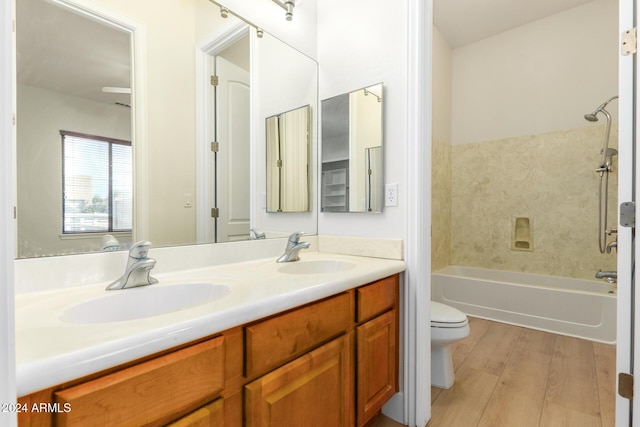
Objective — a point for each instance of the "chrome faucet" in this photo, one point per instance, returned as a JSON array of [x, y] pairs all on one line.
[[255, 234], [612, 245], [138, 268], [611, 276], [294, 245]]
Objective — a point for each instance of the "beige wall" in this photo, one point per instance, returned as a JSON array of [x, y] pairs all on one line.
[[537, 78]]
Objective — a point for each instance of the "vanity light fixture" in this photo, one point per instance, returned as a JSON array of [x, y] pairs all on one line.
[[368, 92], [224, 12], [287, 5]]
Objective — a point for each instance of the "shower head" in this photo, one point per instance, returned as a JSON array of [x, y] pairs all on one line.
[[593, 117]]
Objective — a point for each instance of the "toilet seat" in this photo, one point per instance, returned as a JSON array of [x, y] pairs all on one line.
[[444, 316]]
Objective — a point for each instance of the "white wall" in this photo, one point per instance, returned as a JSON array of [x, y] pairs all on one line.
[[361, 43], [569, 52]]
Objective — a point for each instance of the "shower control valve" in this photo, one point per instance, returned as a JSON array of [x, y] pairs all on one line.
[[611, 231]]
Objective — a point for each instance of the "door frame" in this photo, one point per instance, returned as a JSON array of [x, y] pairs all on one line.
[[626, 332]]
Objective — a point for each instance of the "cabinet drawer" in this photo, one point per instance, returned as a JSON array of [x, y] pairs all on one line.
[[271, 342], [376, 298], [149, 393]]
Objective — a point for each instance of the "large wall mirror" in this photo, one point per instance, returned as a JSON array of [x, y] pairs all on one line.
[[101, 159], [352, 152]]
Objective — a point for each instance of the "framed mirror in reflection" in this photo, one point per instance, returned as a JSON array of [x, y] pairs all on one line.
[[352, 151], [78, 72], [288, 161]]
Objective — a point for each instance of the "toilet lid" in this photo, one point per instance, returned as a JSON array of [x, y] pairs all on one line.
[[445, 315]]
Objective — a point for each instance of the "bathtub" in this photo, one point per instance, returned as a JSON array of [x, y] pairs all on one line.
[[575, 307]]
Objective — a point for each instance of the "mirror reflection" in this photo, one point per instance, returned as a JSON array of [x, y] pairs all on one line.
[[352, 153], [74, 154], [183, 189], [288, 161]]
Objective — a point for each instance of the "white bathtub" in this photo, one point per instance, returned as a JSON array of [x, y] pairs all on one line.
[[574, 307]]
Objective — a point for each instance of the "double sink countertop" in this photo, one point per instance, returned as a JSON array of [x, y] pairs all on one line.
[[58, 339]]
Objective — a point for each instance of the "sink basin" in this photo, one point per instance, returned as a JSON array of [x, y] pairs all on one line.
[[144, 301], [316, 267]]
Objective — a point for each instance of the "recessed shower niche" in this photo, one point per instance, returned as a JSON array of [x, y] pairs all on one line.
[[522, 235]]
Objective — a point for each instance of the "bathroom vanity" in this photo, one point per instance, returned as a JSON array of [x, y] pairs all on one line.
[[331, 357]]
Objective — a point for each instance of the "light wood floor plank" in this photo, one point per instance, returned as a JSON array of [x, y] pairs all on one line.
[[492, 352], [533, 340], [463, 404], [461, 350], [559, 416], [435, 392], [520, 394], [579, 377], [605, 358], [572, 378]]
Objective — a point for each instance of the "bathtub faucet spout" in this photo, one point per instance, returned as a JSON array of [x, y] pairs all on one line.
[[611, 276]]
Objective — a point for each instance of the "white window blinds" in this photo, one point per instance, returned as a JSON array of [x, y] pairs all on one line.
[[97, 184]]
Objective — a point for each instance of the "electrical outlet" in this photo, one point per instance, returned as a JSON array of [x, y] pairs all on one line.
[[391, 194]]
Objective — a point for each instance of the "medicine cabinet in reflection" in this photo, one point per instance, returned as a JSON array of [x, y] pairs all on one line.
[[352, 156], [288, 161]]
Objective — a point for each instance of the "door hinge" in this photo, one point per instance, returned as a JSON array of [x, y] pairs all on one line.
[[215, 212], [215, 146], [629, 42], [625, 385], [214, 80], [628, 214], [279, 163], [15, 212]]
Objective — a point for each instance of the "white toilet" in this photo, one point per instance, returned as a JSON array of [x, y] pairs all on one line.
[[448, 325]]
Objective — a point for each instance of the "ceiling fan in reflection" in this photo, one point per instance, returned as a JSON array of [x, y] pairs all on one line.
[[119, 90]]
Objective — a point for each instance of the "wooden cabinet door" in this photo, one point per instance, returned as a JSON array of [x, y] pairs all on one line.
[[211, 415], [314, 390], [377, 365]]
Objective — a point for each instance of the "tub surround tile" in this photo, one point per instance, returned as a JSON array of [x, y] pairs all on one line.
[[549, 178], [440, 204]]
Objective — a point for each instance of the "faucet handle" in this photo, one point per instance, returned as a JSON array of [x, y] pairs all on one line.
[[139, 250], [295, 236]]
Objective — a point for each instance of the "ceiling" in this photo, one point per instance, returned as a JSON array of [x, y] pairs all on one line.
[[68, 52], [64, 51], [465, 21]]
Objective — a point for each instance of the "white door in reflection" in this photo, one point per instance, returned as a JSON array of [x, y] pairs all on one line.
[[232, 159]]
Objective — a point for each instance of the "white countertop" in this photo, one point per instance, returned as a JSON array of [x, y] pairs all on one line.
[[50, 351]]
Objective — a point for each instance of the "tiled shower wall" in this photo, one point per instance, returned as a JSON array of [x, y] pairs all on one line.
[[549, 178]]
